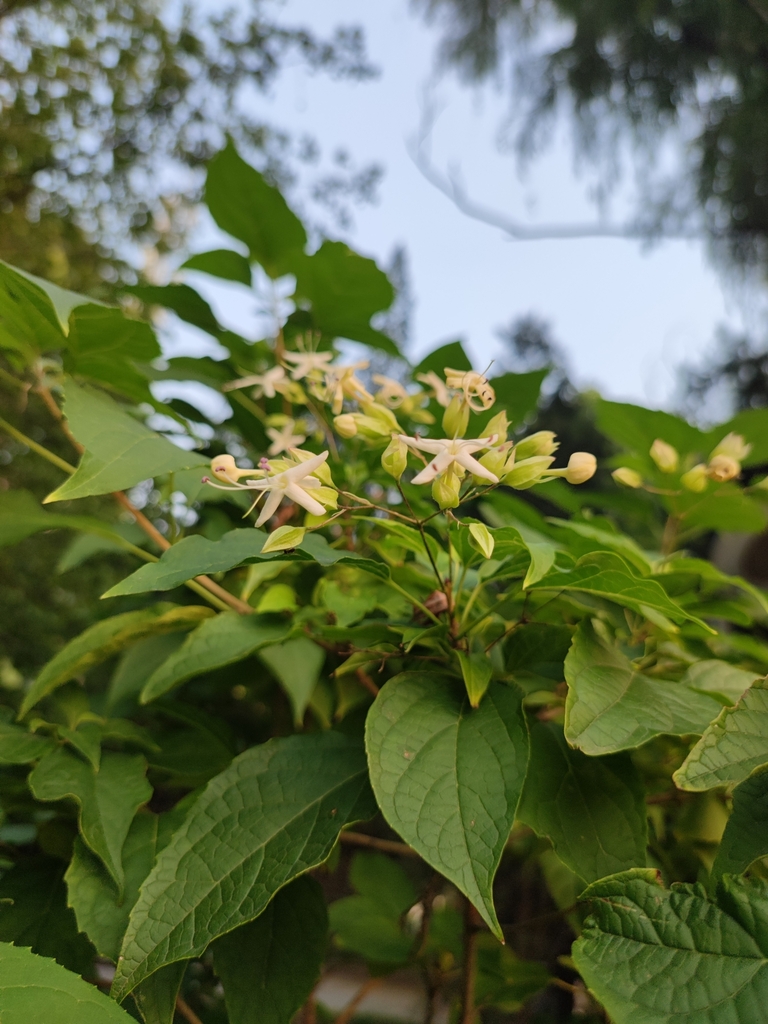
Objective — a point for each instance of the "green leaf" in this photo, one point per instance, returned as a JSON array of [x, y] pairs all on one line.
[[270, 966], [535, 654], [274, 814], [732, 746], [542, 560], [719, 678], [17, 746], [605, 574], [476, 670], [746, 834], [727, 509], [612, 706], [195, 555], [345, 290], [156, 996], [120, 451], [221, 640], [449, 778], [481, 539], [296, 664], [110, 636], [224, 263], [137, 665], [182, 300], [277, 598], [34, 313], [451, 355], [503, 980], [619, 542], [635, 428], [105, 346], [107, 799], [246, 207], [518, 393], [21, 516], [370, 924], [34, 913], [591, 808], [33, 988], [102, 913], [653, 956]]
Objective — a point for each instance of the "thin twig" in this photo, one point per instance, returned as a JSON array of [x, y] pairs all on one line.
[[186, 1011], [366, 682], [469, 970], [371, 842], [349, 1010]]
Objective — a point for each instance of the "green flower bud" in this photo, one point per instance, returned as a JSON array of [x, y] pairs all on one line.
[[385, 416], [445, 490], [528, 472], [395, 458], [495, 461], [541, 443], [628, 477], [499, 425], [481, 539], [456, 417], [665, 456], [695, 479]]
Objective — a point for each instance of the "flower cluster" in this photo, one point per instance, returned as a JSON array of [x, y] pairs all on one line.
[[456, 464], [724, 464]]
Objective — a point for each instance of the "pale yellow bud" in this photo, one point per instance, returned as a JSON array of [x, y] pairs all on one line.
[[528, 472], [665, 456], [456, 417], [734, 446], [628, 477], [481, 539], [582, 466], [445, 490], [722, 468], [345, 425], [496, 461], [541, 443], [695, 479], [395, 458], [381, 413], [224, 468]]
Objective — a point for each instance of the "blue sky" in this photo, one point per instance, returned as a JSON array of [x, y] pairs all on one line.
[[626, 317]]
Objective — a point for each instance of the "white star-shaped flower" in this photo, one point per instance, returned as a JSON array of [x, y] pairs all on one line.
[[267, 384], [284, 439], [449, 451], [307, 364], [292, 483], [341, 383]]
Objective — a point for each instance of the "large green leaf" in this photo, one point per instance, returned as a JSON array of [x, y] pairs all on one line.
[[719, 677], [272, 815], [104, 345], [101, 911], [674, 957], [344, 290], [732, 747], [34, 913], [448, 778], [222, 640], [727, 508], [270, 966], [156, 996], [110, 636], [605, 574], [245, 206], [297, 664], [119, 450], [107, 798], [635, 428], [746, 834], [518, 393], [591, 808], [33, 988], [195, 555], [612, 706]]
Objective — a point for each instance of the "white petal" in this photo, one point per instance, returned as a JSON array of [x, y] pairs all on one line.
[[295, 493], [296, 473], [437, 466], [476, 468], [270, 507]]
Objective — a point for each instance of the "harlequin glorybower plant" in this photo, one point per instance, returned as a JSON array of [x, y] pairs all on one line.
[[436, 697]]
